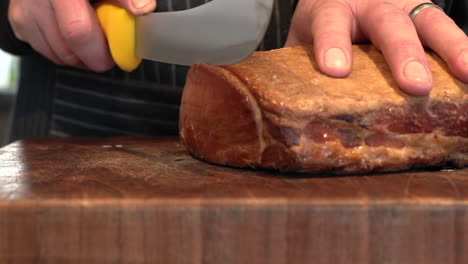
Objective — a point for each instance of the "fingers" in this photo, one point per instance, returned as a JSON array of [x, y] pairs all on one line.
[[66, 32], [25, 28], [330, 26], [392, 31], [52, 37], [442, 35], [80, 30], [299, 32], [331, 32], [137, 7], [41, 45], [18, 19]]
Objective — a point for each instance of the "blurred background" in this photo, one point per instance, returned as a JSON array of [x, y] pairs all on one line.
[[8, 81]]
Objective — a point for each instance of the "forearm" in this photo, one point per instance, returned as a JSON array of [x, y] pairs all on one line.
[[8, 41]]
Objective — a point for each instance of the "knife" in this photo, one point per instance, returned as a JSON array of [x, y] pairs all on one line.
[[220, 32]]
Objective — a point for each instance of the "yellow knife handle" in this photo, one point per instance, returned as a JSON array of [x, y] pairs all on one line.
[[119, 27]]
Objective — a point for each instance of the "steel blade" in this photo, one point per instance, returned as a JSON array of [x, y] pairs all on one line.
[[220, 32]]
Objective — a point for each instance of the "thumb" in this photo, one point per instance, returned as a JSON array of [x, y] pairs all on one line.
[[137, 7]]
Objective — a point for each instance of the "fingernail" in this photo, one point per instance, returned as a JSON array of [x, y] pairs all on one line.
[[415, 71], [137, 4], [335, 58]]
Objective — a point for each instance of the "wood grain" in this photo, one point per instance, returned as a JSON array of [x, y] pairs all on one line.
[[145, 200]]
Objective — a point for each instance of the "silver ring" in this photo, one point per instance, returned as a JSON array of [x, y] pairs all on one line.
[[416, 10]]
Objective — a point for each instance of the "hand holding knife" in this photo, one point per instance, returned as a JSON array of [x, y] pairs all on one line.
[[220, 32]]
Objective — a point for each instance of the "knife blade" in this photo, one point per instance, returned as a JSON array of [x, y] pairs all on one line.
[[220, 32]]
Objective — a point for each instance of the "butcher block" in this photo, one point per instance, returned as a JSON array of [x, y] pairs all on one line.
[[146, 200]]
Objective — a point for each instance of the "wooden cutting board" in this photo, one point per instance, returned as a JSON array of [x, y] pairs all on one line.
[[145, 200]]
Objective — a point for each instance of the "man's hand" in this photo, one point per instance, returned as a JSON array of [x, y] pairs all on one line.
[[68, 31], [333, 25]]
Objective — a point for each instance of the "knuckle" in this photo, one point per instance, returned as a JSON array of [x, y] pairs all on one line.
[[393, 16], [15, 14], [330, 10], [405, 46], [330, 20], [332, 36], [437, 16], [432, 17], [324, 6], [386, 12], [77, 32], [17, 18], [408, 44]]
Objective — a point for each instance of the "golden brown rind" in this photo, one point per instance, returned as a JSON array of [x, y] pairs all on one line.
[[276, 110]]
